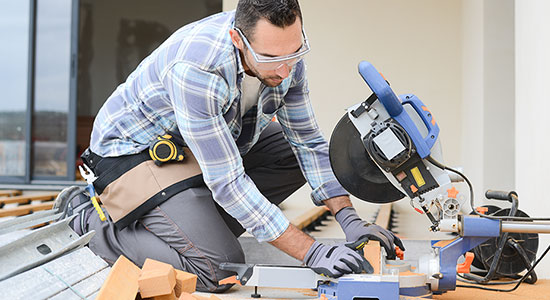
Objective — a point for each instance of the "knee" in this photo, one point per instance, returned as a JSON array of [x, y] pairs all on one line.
[[209, 281]]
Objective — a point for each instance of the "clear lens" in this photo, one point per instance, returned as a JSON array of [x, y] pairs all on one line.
[[270, 66], [273, 63]]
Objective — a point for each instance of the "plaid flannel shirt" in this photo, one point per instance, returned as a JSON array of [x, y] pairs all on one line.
[[191, 83]]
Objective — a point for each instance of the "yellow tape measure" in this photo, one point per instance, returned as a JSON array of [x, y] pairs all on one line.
[[164, 149]]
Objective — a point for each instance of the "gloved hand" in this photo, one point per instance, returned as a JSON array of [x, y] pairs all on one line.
[[335, 261], [355, 228]]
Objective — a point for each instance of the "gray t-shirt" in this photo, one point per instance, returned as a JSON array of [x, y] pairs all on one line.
[[250, 93]]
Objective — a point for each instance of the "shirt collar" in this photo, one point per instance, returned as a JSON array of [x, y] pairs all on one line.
[[240, 68]]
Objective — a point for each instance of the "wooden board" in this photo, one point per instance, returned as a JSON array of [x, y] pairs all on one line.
[[373, 255], [10, 193], [383, 217], [28, 199], [308, 217], [538, 291], [25, 209]]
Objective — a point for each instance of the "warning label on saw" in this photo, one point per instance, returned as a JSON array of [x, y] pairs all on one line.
[[418, 177]]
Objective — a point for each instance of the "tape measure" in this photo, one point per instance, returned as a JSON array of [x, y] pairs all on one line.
[[165, 149]]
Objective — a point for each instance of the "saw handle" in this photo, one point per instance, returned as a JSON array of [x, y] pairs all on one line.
[[380, 88], [500, 195]]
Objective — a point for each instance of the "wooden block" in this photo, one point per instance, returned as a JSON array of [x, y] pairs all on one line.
[[185, 282], [198, 297], [372, 254], [122, 282], [156, 279], [186, 296], [171, 296]]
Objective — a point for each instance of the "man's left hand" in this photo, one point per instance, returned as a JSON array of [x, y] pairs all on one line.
[[355, 228]]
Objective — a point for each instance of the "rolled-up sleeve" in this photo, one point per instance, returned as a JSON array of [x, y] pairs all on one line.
[[198, 98], [307, 141]]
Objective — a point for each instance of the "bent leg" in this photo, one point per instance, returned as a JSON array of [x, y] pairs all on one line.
[[186, 231]]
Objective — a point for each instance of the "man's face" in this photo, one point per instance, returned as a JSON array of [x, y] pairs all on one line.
[[269, 40]]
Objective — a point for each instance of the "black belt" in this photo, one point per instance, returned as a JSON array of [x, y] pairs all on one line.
[[109, 169]]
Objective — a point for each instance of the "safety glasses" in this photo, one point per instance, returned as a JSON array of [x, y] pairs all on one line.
[[273, 63]]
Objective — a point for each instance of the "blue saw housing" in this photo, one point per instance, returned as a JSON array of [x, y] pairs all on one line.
[[394, 106]]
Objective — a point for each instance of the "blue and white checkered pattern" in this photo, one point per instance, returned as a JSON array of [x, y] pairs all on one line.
[[191, 83]]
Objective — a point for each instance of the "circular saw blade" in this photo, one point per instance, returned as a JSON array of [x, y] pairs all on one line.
[[354, 168]]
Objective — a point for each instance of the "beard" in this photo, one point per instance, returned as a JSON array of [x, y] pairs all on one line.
[[270, 81]]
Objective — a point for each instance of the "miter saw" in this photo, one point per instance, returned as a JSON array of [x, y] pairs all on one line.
[[385, 149]]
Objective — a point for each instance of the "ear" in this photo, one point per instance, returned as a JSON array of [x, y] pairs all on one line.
[[236, 39]]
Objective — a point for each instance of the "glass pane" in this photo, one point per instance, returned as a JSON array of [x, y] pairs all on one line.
[[114, 37], [14, 56], [52, 87]]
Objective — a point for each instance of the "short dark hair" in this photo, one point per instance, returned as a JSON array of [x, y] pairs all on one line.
[[280, 13]]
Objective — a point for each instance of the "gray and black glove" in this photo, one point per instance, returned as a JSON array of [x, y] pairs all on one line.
[[335, 261], [355, 228]]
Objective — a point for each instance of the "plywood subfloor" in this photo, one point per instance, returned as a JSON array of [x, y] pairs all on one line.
[[537, 291]]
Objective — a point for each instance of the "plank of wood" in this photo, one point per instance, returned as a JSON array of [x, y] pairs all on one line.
[[373, 255], [309, 216], [122, 282], [27, 199], [25, 209], [383, 218], [10, 193]]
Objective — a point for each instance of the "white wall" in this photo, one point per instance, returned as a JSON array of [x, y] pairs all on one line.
[[488, 95], [532, 32], [415, 44]]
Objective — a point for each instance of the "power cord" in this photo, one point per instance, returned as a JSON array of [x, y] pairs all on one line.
[[517, 285], [472, 204], [443, 167]]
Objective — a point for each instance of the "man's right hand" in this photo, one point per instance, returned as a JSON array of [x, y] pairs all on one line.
[[335, 261]]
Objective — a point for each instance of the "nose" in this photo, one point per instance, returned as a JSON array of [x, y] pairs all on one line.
[[282, 71]]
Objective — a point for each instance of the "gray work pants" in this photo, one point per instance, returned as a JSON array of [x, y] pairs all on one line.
[[190, 231]]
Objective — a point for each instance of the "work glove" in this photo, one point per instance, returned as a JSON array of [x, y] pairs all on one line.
[[355, 228], [335, 261]]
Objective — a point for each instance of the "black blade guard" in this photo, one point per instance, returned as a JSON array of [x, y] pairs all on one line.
[[354, 168]]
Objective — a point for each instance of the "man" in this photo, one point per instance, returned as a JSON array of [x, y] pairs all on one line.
[[214, 86]]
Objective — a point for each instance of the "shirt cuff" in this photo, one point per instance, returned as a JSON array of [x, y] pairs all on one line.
[[274, 225], [326, 191]]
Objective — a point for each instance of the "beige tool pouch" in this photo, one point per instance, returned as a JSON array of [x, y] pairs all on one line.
[[146, 185]]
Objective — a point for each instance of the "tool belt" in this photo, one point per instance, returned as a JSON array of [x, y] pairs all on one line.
[[129, 186]]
